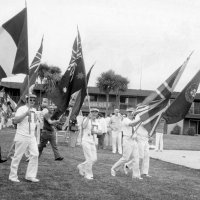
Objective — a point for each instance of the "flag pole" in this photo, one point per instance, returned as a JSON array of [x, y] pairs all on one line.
[[28, 69], [88, 100]]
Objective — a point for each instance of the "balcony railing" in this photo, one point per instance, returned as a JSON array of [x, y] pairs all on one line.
[[111, 105], [194, 111]]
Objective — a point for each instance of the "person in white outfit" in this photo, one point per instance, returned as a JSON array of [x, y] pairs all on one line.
[[25, 140], [143, 147], [160, 129], [91, 127], [103, 125], [115, 125], [108, 139], [130, 147], [79, 119]]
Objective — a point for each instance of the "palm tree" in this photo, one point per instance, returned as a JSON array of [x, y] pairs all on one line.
[[121, 85], [106, 83], [49, 76]]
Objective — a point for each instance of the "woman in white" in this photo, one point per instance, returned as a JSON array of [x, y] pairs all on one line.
[[160, 129], [115, 125], [79, 119], [130, 147], [143, 147], [90, 129]]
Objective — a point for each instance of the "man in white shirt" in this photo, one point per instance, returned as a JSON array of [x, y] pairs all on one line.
[[103, 125], [108, 139], [130, 147], [115, 125], [25, 139], [91, 128]]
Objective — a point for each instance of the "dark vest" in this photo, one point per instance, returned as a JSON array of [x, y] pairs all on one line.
[[47, 126]]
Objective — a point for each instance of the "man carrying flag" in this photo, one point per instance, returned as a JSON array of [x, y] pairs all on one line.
[[76, 102], [14, 59], [150, 112]]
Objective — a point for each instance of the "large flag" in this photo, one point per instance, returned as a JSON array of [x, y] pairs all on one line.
[[32, 74], [72, 81], [156, 103], [79, 99], [181, 105], [14, 45], [165, 89]]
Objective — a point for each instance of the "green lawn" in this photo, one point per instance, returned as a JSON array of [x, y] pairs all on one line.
[[60, 180], [181, 142]]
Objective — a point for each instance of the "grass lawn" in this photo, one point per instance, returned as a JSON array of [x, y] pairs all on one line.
[[60, 180], [181, 142]]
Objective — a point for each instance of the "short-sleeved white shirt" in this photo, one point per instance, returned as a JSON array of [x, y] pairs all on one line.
[[142, 133], [23, 126], [127, 130], [87, 136]]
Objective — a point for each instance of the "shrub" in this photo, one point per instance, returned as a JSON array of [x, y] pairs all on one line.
[[176, 130], [191, 131]]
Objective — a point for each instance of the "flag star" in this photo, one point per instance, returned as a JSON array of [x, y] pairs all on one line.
[[80, 75], [64, 89]]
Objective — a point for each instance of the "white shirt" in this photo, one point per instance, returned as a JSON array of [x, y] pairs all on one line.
[[23, 126], [102, 123], [107, 121], [115, 123], [126, 128], [87, 136], [142, 133]]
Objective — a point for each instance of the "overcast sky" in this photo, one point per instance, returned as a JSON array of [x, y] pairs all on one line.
[[143, 40]]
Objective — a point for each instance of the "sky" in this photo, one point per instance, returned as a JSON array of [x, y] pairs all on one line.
[[142, 40]]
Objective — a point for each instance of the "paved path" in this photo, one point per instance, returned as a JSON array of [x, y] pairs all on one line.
[[186, 158]]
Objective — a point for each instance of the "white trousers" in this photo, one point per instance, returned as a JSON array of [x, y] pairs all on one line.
[[108, 139], [79, 137], [143, 147], [38, 133], [130, 152], [90, 153], [159, 141], [117, 141], [25, 144]]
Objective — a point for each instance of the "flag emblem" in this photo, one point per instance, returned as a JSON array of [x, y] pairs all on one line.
[[190, 93]]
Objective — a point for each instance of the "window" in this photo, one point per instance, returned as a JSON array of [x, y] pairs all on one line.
[[93, 97], [123, 99], [196, 107]]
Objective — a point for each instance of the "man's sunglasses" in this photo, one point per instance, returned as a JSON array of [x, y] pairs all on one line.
[[33, 100]]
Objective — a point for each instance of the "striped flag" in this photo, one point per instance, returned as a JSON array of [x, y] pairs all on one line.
[[165, 89], [32, 74], [181, 105], [14, 45], [151, 109], [79, 99]]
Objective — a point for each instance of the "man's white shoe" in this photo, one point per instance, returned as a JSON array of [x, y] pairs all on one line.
[[113, 173], [35, 180], [139, 178], [14, 180], [146, 175], [80, 170], [89, 177], [126, 169]]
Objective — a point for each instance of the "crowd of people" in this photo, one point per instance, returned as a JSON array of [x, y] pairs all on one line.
[[122, 134]]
